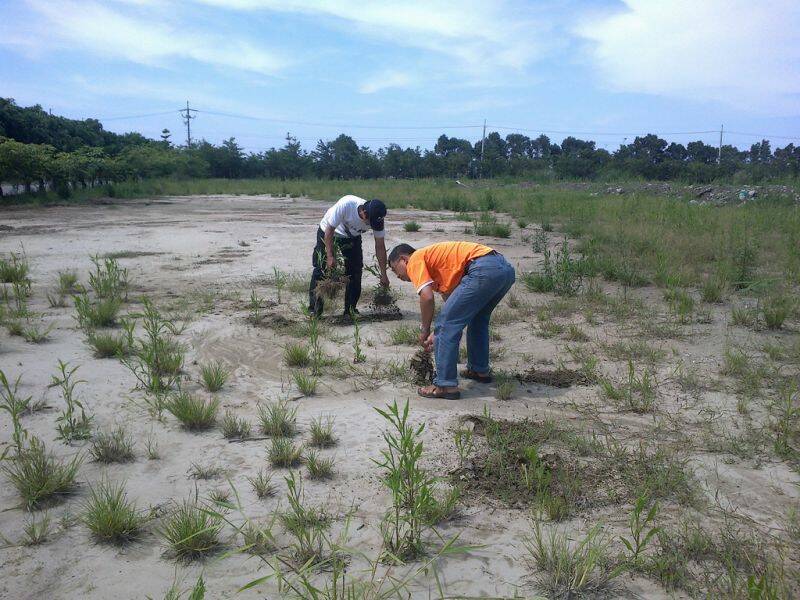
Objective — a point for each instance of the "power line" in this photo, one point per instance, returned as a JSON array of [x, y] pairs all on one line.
[[156, 114]]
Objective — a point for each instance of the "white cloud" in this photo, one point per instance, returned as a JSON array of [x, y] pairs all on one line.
[[385, 81], [112, 33], [481, 35], [743, 53]]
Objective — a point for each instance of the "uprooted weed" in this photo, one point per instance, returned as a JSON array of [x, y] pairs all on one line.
[[560, 472]]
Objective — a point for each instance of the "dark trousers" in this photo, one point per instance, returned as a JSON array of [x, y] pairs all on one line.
[[353, 265]]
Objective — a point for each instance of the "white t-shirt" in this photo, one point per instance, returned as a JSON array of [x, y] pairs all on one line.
[[343, 217]]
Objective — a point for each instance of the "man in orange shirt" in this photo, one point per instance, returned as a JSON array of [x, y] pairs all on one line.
[[472, 279]]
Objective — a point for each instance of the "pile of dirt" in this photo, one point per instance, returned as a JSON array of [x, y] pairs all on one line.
[[421, 365], [560, 378]]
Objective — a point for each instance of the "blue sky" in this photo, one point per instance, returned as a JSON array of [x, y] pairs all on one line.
[[407, 71]]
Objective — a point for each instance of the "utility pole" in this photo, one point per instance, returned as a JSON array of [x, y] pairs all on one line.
[[719, 148], [186, 113], [483, 142]]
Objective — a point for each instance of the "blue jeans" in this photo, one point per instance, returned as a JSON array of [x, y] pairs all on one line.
[[486, 281]]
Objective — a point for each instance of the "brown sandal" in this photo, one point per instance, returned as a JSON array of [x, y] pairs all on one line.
[[436, 393], [469, 374]]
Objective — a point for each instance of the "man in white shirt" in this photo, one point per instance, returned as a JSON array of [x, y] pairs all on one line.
[[342, 225]]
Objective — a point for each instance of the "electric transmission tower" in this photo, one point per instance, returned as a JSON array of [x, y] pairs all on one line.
[[187, 115]]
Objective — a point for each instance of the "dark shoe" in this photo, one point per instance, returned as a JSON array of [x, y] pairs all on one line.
[[468, 374]]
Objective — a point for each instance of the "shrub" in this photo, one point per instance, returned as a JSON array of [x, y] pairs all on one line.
[[112, 447], [411, 226], [192, 531], [14, 270], [195, 413], [108, 280], [776, 309], [39, 476], [214, 376], [110, 516], [67, 282]]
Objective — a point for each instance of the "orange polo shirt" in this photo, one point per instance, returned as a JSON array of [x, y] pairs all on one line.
[[442, 265]]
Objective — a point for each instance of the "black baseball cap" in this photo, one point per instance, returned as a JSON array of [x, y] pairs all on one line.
[[376, 211]]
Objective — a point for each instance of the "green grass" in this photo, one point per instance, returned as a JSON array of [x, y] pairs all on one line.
[[405, 335], [14, 269], [67, 282], [297, 355], [284, 453], [322, 435], [108, 344], [213, 376], [192, 411], [262, 484], [39, 477], [102, 313], [278, 419], [112, 446], [318, 467], [192, 531], [234, 427], [110, 516], [411, 226], [306, 384]]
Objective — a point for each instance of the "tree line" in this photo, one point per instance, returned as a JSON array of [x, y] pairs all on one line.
[[41, 150]]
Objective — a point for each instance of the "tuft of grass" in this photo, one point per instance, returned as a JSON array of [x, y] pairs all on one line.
[[193, 412], [56, 300], [284, 453], [713, 290], [258, 538], [637, 394], [743, 316], [151, 447], [318, 467], [505, 386], [308, 525], [322, 432], [776, 309], [67, 282], [113, 447], [213, 376], [405, 335], [39, 476], [234, 427], [262, 484], [576, 334], [109, 345], [306, 384], [489, 226], [36, 530], [110, 516], [411, 226], [297, 355], [102, 313], [192, 531], [205, 472], [570, 570], [14, 270], [31, 333], [278, 419]]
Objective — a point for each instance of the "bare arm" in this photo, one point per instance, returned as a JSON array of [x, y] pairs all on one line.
[[380, 254], [426, 307], [329, 246]]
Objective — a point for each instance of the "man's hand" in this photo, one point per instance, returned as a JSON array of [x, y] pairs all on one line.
[[384, 280], [429, 342]]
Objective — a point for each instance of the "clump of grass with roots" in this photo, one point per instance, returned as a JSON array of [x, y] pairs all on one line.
[[322, 435], [283, 452]]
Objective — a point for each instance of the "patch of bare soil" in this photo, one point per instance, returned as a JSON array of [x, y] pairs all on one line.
[[559, 378]]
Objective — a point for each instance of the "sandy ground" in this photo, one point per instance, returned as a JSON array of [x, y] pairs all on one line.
[[199, 255]]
